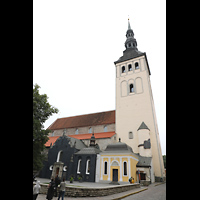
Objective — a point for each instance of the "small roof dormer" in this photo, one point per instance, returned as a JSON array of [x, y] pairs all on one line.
[[143, 126]]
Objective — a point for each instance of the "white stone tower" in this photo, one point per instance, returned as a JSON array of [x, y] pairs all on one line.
[[136, 122]]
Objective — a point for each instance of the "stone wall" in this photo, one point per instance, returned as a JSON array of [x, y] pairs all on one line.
[[84, 130], [92, 192]]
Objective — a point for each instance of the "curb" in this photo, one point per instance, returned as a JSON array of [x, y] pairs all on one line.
[[159, 183], [130, 194]]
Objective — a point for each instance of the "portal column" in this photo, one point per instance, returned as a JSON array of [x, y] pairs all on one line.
[[121, 169], [108, 166]]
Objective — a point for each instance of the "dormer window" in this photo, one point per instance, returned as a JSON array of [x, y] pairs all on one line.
[[123, 69]]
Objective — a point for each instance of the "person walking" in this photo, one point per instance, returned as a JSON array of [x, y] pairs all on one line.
[[130, 179], [50, 191], [57, 182], [62, 190], [36, 190]]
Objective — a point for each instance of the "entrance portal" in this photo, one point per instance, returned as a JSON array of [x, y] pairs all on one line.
[[57, 170]]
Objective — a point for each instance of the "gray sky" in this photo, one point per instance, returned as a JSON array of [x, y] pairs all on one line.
[[75, 44]]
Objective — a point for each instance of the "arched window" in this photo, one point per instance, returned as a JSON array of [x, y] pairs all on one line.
[[136, 65], [123, 69], [125, 168], [130, 135], [59, 156], [88, 166], [129, 67], [105, 129], [131, 88], [76, 132], [79, 166], [90, 130], [105, 167]]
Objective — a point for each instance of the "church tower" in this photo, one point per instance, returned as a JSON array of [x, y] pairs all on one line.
[[136, 122]]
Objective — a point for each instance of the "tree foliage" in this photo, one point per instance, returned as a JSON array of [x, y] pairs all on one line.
[[42, 110]]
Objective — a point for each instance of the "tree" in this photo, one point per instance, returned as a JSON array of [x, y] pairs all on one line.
[[42, 110]]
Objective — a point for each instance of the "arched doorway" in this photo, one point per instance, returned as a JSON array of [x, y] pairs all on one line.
[[57, 170], [115, 171]]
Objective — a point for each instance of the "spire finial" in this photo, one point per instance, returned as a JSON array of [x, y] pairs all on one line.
[[129, 26]]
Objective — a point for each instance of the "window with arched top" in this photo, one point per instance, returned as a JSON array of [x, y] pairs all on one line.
[[90, 130], [130, 135], [76, 132], [129, 67], [125, 168], [105, 129], [79, 166], [105, 167], [131, 88], [136, 65], [59, 156], [88, 167], [123, 69]]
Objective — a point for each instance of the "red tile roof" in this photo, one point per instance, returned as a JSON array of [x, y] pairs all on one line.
[[96, 135], [51, 140], [84, 120]]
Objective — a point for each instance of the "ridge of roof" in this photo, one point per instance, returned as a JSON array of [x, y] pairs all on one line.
[[100, 118]]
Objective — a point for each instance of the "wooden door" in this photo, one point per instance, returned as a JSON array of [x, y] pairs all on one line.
[[115, 174]]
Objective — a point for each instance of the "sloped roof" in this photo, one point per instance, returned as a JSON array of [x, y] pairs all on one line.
[[89, 150], [84, 120], [119, 147], [144, 161], [96, 135], [51, 140]]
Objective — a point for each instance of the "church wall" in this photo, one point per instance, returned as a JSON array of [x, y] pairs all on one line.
[[86, 177], [116, 161], [62, 144], [133, 169], [136, 107], [143, 134], [84, 130], [102, 142]]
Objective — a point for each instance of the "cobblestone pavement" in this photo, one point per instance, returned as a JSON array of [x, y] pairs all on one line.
[[153, 193]]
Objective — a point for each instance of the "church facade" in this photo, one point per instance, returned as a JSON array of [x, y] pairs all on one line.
[[127, 140]]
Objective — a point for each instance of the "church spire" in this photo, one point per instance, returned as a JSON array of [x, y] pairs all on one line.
[[131, 42], [131, 50]]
